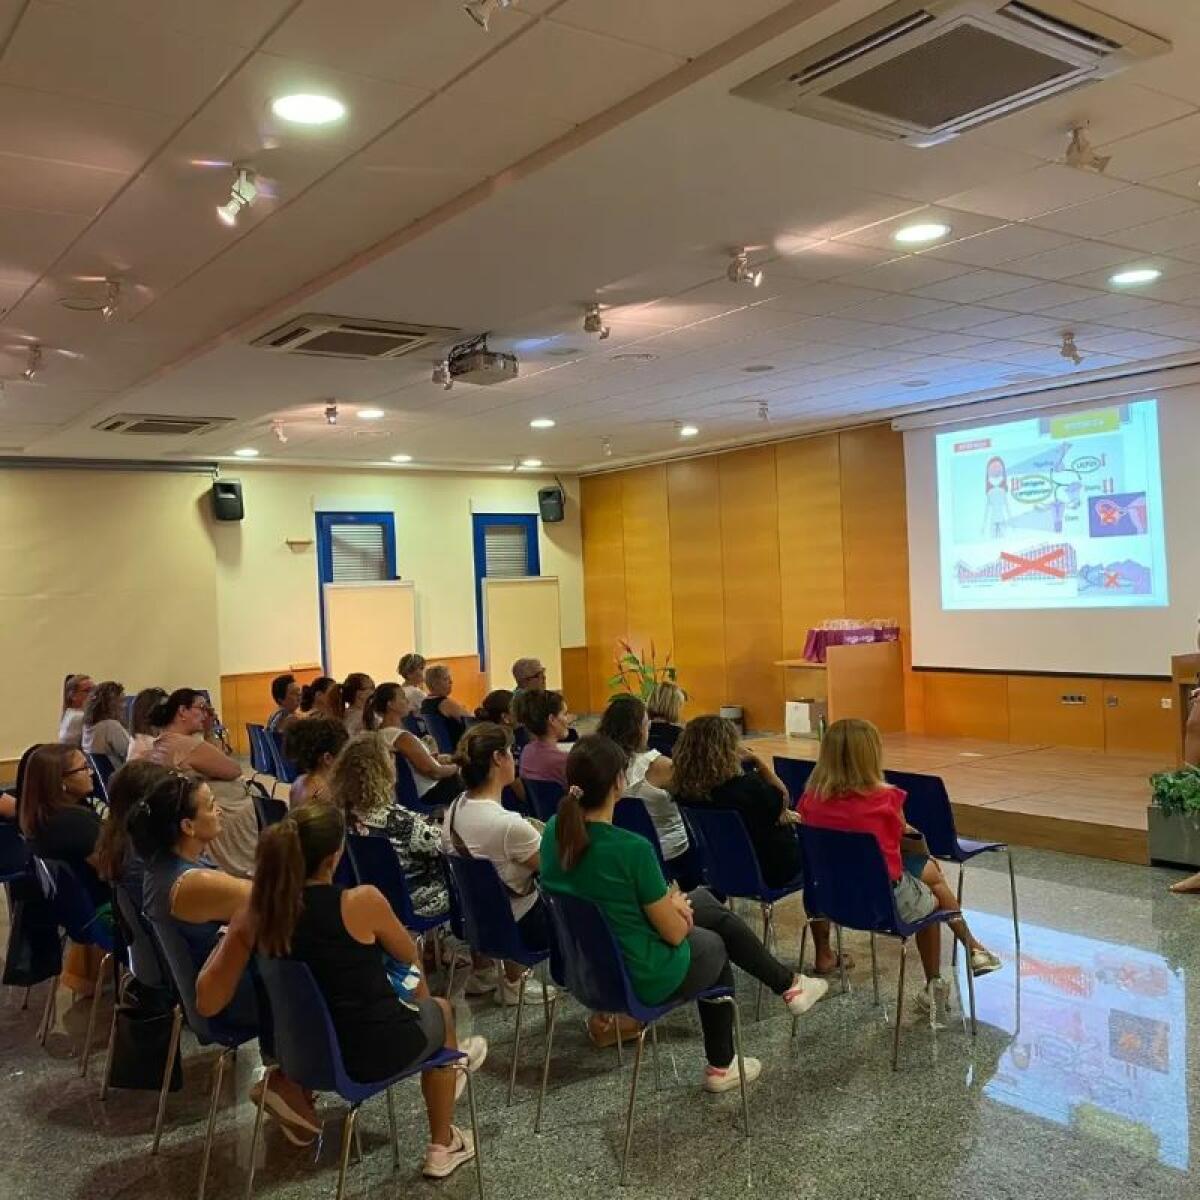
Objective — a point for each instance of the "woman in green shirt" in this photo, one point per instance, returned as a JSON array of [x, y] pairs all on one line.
[[674, 945]]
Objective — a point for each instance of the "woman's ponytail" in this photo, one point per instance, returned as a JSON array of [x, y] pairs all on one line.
[[594, 768], [570, 829], [278, 886]]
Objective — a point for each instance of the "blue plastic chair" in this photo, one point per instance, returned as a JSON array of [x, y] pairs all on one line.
[[373, 861], [307, 1049], [794, 773], [267, 808], [846, 880], [594, 972], [490, 929], [731, 865], [102, 771], [262, 761], [415, 725], [436, 724], [631, 813], [406, 788], [543, 797], [927, 808], [511, 801], [285, 771], [14, 853]]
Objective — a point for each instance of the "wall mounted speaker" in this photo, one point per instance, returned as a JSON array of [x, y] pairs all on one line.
[[551, 503], [227, 500]]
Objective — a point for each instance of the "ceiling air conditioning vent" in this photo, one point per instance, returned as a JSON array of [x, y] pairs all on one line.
[[347, 337], [924, 73], [159, 426]]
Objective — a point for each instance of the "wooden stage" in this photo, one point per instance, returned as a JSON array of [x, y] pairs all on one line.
[[1054, 797]]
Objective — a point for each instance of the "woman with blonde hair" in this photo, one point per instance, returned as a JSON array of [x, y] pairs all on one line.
[[411, 669], [363, 785], [847, 791], [665, 706]]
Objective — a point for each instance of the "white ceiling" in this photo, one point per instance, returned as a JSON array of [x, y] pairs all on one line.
[[584, 149]]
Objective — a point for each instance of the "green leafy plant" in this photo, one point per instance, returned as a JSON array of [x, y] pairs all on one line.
[[639, 674], [1177, 791]]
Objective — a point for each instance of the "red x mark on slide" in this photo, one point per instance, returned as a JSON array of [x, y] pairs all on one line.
[[1042, 564]]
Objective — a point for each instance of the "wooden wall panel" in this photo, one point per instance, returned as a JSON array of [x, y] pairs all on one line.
[[753, 613], [646, 527], [697, 590], [603, 580], [811, 573], [1135, 721], [972, 706], [575, 678], [246, 700], [1037, 712]]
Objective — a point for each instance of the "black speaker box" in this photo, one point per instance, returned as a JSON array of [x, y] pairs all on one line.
[[551, 503], [227, 500]]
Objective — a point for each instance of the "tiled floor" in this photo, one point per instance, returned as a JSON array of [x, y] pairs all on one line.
[[1081, 1091]]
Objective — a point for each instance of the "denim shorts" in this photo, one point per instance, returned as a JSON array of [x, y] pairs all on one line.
[[914, 901]]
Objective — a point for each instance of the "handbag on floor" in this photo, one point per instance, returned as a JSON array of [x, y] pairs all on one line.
[[143, 1037]]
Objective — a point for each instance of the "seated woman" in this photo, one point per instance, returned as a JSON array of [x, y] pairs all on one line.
[[355, 693], [496, 707], [650, 776], [435, 775], [103, 728], [343, 936], [187, 742], [53, 814], [847, 791], [173, 827], [665, 705], [76, 690], [439, 682], [313, 745], [674, 944], [115, 858], [363, 785], [142, 730], [546, 717], [322, 698], [411, 669]]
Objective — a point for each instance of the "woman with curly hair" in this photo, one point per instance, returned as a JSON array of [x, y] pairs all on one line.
[[313, 745], [103, 731], [363, 785]]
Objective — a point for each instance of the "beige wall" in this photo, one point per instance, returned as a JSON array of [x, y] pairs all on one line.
[[106, 572], [267, 591]]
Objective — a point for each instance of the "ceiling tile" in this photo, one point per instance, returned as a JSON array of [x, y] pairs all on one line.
[[41, 185], [1182, 183], [1017, 327], [902, 274], [895, 309], [1043, 296], [974, 286], [1034, 193], [30, 240], [999, 246], [882, 233], [954, 317], [1170, 147], [1101, 308], [817, 299], [242, 22], [1133, 206], [1071, 259], [1170, 233]]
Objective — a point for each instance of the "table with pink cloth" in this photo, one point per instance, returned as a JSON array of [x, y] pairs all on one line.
[[818, 641]]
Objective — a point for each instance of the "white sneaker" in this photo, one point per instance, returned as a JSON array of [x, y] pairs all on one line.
[[441, 1161], [508, 992], [804, 993], [933, 1002], [717, 1079], [480, 982], [476, 1050], [984, 962]]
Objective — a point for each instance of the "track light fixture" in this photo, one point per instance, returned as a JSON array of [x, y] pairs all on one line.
[[441, 374], [241, 196], [112, 298], [277, 428], [482, 11], [764, 411], [593, 322], [740, 270], [34, 363], [331, 413], [606, 447], [1081, 154], [1069, 350]]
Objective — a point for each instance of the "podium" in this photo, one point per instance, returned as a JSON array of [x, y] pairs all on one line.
[[865, 681], [1185, 675]]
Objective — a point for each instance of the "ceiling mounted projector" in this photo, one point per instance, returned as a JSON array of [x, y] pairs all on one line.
[[473, 362]]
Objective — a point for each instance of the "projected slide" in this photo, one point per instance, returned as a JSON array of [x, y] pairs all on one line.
[[1054, 512]]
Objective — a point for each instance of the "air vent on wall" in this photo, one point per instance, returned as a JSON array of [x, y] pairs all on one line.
[[924, 73], [160, 426], [349, 337]]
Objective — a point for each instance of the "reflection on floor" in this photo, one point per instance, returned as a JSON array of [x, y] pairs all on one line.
[[1077, 1085]]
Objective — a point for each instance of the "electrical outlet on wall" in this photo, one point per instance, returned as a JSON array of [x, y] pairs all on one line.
[[1167, 702]]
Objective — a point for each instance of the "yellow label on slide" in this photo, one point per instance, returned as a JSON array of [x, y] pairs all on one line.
[[1104, 420]]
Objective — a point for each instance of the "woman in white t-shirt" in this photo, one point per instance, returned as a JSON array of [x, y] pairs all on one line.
[[412, 672], [478, 826], [103, 732], [435, 775], [649, 776]]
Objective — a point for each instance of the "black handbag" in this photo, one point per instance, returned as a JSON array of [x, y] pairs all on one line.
[[34, 950], [144, 1019]]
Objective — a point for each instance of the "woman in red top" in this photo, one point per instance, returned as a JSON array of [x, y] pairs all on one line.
[[847, 791]]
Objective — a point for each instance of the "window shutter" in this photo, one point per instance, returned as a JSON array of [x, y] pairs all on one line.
[[506, 551], [359, 554]]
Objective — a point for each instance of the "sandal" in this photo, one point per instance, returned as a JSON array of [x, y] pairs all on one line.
[[839, 961]]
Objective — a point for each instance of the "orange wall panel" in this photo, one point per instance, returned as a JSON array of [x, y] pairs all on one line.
[[647, 539], [753, 610], [1037, 712], [1135, 721], [603, 581], [575, 683], [961, 705]]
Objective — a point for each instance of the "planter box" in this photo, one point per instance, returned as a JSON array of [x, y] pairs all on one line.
[[1174, 837]]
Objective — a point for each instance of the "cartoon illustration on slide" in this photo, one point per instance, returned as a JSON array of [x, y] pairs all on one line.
[[1117, 515], [1126, 577], [997, 513]]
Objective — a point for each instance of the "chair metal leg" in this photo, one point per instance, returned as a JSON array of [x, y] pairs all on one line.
[[962, 870], [637, 1069], [450, 975], [91, 1025], [620, 1040], [512, 1071], [48, 1012], [803, 945], [767, 913], [537, 1124], [475, 1133], [874, 968], [737, 1046], [654, 1044], [108, 1057], [347, 1138], [172, 1051], [841, 961], [257, 1134], [899, 1005], [1012, 884], [25, 1002], [971, 995], [391, 1107], [218, 1076], [545, 996]]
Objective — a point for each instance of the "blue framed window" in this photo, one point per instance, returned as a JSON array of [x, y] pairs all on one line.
[[506, 547], [353, 548]]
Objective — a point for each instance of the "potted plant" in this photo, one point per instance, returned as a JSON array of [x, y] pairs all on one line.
[[637, 674], [1173, 818]]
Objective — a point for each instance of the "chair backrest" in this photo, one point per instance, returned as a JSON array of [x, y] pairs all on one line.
[[285, 771], [14, 852], [730, 864], [146, 959], [415, 725], [261, 758], [927, 808], [406, 787], [306, 1044], [72, 906], [436, 725], [543, 797], [593, 970], [373, 861], [794, 773], [267, 808], [846, 879], [100, 774], [487, 917], [631, 813], [511, 801]]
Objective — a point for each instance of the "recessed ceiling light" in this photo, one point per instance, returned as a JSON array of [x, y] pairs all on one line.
[[370, 414], [758, 368], [541, 423], [923, 231], [1134, 276], [531, 462], [246, 452], [915, 383], [307, 108], [688, 430], [401, 458]]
